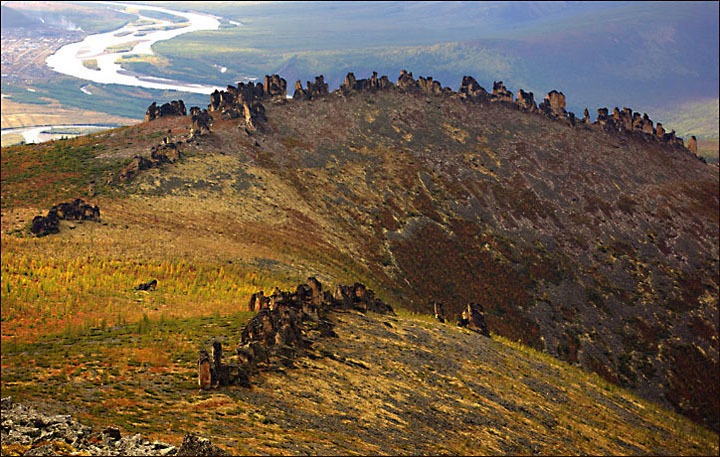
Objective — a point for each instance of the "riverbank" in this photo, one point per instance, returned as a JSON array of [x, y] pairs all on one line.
[[136, 38], [39, 134]]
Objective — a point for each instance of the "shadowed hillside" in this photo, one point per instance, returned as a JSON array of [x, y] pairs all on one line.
[[596, 246]]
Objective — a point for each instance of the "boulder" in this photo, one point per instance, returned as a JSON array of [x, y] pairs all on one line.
[[439, 311], [473, 317], [200, 121], [150, 285], [471, 90], [647, 125], [476, 319], [299, 93], [602, 117], [45, 225], [659, 131], [258, 301], [500, 93], [194, 445], [349, 85], [526, 101], [554, 105], [406, 81], [275, 86], [317, 292], [174, 108], [204, 367]]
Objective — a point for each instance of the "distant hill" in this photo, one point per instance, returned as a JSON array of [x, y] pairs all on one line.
[[12, 18], [600, 54], [699, 118]]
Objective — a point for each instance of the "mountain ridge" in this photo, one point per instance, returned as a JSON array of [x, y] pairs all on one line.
[[596, 246]]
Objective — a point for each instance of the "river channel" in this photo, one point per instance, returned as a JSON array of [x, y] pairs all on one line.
[[136, 38]]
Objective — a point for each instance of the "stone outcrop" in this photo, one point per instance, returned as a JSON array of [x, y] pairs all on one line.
[[553, 105], [425, 85], [245, 100], [439, 310], [258, 301], [26, 431], [77, 210], [45, 225], [471, 90], [429, 86], [692, 145], [285, 327], [315, 89], [586, 118], [174, 108], [275, 86], [371, 84], [406, 81], [137, 164], [500, 93], [200, 121], [526, 101], [359, 298], [602, 117], [473, 317], [166, 152]]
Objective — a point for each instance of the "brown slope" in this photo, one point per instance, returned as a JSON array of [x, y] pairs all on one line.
[[599, 248]]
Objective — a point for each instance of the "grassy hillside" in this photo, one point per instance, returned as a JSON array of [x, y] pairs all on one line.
[[599, 249], [410, 386]]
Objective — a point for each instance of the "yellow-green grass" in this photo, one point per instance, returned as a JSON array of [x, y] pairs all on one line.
[[77, 335], [91, 64], [492, 396], [53, 286], [123, 47], [12, 138]]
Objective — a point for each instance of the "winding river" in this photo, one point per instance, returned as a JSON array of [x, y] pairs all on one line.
[[138, 39], [39, 134]]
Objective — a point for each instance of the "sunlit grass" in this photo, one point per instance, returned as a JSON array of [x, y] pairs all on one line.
[[44, 293]]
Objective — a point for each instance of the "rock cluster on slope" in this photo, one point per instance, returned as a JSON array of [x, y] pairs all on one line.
[[26, 431], [286, 325], [77, 210], [174, 108]]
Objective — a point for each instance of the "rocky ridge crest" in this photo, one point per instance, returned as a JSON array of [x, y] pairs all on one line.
[[245, 102]]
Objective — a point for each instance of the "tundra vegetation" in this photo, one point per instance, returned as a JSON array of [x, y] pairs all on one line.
[[419, 194]]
